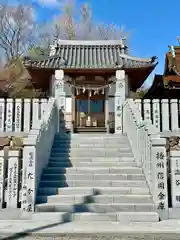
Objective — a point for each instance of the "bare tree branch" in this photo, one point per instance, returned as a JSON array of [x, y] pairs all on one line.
[[17, 25], [73, 23]]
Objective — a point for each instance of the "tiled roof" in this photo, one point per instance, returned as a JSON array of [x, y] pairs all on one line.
[[90, 55]]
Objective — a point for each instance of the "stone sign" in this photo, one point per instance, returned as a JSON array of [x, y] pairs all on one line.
[[175, 177], [18, 115], [119, 99], [1, 178], [13, 176], [159, 171], [9, 115], [28, 193]]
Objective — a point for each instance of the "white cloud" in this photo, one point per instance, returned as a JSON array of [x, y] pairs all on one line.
[[49, 3]]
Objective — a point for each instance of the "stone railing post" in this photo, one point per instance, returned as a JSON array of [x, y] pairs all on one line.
[[2, 178], [29, 172], [175, 177], [119, 100], [159, 176], [174, 114], [13, 179], [60, 94]]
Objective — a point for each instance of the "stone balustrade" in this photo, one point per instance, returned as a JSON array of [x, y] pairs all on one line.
[[36, 153], [164, 113], [149, 150], [18, 115]]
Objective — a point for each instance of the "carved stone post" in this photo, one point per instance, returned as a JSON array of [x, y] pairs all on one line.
[[107, 109], [60, 96], [159, 176], [119, 99], [175, 178], [29, 188]]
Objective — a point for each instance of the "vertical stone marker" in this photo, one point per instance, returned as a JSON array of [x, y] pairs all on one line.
[[43, 106], [13, 179], [107, 108], [2, 110], [165, 114], [147, 109], [175, 178], [35, 110], [159, 171], [18, 115], [174, 115], [2, 176], [29, 182], [9, 115], [156, 114], [27, 112], [60, 94], [119, 99]]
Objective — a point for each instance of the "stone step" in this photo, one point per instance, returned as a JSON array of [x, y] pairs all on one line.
[[92, 140], [92, 176], [92, 183], [95, 207], [108, 164], [91, 145], [61, 217], [117, 217], [91, 136], [102, 217], [93, 191], [90, 149], [92, 154], [104, 199], [95, 159], [116, 169]]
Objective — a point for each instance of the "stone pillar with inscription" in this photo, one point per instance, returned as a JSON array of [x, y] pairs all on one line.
[[13, 179], [60, 96], [2, 178], [9, 115], [107, 109], [119, 99], [159, 176], [175, 178], [29, 178]]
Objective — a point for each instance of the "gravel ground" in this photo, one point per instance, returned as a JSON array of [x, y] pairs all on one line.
[[98, 237]]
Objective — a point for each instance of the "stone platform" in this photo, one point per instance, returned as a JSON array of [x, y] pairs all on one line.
[[29, 229]]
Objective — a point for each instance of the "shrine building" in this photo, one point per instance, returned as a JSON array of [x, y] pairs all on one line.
[[167, 85], [90, 80]]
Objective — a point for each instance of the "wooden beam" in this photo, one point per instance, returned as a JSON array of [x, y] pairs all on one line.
[[174, 78]]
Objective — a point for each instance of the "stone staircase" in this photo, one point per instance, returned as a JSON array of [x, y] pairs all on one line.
[[93, 177]]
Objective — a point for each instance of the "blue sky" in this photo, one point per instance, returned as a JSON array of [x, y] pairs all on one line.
[[153, 24]]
